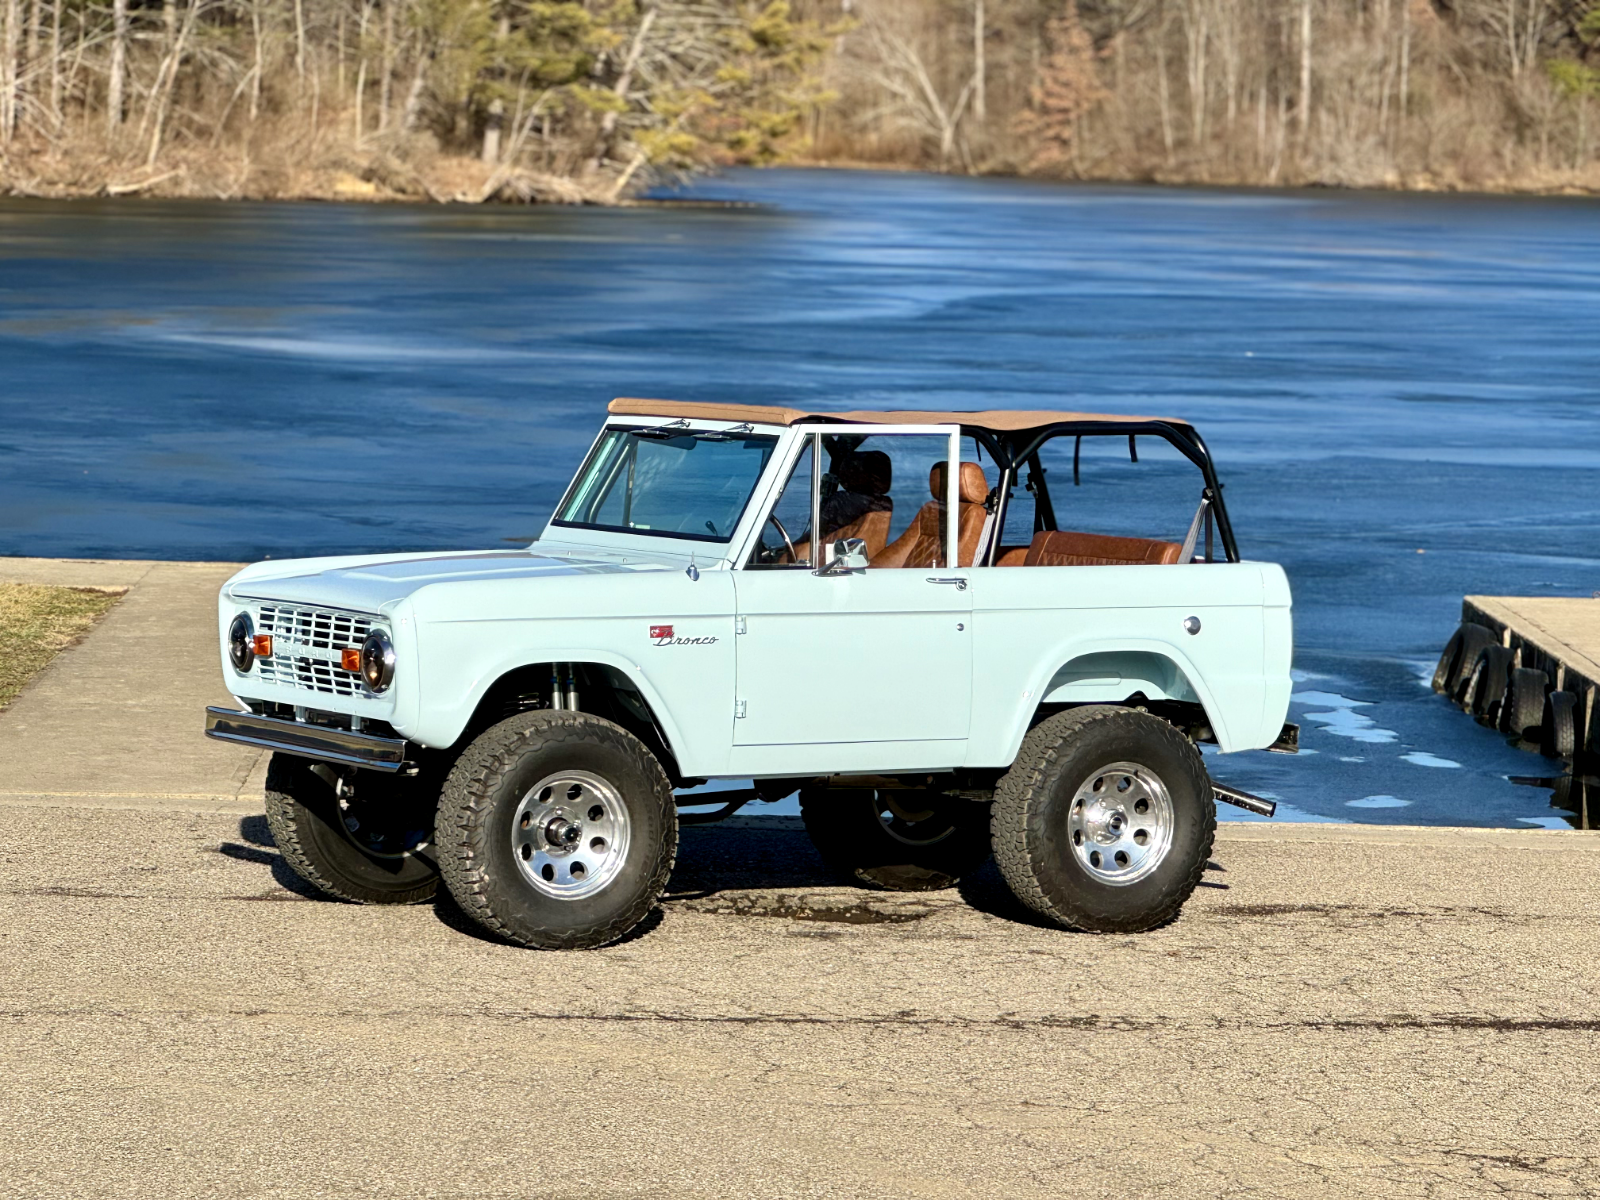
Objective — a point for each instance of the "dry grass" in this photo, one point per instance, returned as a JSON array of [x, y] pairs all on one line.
[[38, 622], [284, 169]]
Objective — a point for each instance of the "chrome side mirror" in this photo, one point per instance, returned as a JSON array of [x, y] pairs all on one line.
[[844, 557]]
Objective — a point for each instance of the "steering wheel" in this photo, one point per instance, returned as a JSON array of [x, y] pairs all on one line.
[[787, 540]]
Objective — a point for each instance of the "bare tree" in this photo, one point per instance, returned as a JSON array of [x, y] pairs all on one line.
[[1518, 27], [1303, 111], [10, 67], [980, 58], [1196, 17], [892, 61], [116, 77]]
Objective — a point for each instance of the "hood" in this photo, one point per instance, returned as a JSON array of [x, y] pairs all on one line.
[[372, 583]]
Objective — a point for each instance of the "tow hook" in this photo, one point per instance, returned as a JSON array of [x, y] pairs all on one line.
[[1244, 800]]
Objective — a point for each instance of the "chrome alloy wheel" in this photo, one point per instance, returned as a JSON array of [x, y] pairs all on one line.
[[1121, 823], [569, 835]]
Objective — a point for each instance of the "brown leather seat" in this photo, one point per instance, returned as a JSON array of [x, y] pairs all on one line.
[[922, 545], [872, 528], [1064, 548], [860, 508]]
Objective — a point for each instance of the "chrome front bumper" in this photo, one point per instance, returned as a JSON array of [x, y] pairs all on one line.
[[308, 741]]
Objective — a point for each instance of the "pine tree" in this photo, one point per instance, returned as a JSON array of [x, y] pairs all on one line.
[[1069, 87]]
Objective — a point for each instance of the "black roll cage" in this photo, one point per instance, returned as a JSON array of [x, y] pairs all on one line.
[[1014, 449]]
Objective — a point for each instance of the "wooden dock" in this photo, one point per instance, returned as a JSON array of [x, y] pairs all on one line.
[[1559, 635]]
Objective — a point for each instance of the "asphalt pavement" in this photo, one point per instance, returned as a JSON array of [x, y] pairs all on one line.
[[1339, 1011]]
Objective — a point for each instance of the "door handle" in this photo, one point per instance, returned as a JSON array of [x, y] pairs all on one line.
[[961, 584]]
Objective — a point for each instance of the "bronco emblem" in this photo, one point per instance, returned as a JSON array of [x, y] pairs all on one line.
[[662, 635]]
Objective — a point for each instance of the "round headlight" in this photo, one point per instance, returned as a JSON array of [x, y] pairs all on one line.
[[241, 643], [377, 661]]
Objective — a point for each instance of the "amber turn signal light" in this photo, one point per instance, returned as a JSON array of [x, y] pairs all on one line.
[[262, 645], [350, 658]]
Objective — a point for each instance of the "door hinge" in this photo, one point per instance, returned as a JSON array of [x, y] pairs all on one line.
[[738, 709], [738, 625]]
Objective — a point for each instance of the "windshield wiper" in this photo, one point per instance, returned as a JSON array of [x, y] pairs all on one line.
[[737, 434], [663, 433], [680, 428]]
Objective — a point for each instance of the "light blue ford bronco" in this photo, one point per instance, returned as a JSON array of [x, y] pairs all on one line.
[[1019, 655]]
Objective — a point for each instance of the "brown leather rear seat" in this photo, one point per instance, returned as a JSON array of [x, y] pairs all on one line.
[[1064, 548]]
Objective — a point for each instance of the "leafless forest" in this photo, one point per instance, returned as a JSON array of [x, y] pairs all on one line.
[[1397, 93], [582, 100]]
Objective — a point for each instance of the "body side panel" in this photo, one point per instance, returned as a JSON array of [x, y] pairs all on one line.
[[1030, 622]]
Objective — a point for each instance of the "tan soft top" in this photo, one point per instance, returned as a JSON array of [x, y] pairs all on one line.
[[758, 414]]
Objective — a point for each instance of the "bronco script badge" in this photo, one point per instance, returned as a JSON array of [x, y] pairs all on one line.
[[662, 635]]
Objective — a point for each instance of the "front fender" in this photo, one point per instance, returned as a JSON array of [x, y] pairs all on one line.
[[467, 638], [454, 695]]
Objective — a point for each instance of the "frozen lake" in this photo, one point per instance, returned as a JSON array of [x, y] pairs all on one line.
[[1398, 389]]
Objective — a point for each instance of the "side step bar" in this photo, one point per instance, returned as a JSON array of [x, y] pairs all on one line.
[[1244, 800]]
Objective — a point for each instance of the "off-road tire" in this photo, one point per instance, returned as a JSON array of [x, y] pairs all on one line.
[[1460, 652], [922, 856], [307, 824], [1033, 802], [479, 804], [1523, 708]]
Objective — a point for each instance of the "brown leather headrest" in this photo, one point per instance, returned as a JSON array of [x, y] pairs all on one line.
[[974, 487], [867, 472]]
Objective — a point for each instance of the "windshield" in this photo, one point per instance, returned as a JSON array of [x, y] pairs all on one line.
[[667, 482]]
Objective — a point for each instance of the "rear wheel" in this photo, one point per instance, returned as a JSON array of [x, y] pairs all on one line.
[[903, 840], [358, 835], [557, 830], [1106, 820]]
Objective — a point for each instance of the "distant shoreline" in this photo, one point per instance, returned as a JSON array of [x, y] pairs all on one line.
[[464, 182]]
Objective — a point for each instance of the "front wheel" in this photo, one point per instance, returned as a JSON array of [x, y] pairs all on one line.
[[358, 836], [900, 840], [1106, 820], [557, 830]]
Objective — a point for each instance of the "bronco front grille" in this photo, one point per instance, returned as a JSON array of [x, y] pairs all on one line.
[[306, 646]]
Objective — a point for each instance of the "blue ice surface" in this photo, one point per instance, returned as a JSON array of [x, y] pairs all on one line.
[[1399, 390]]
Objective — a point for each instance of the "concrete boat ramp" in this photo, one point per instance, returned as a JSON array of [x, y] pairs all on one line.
[[1340, 1011]]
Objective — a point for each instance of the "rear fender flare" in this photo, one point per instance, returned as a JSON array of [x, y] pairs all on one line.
[[1109, 672]]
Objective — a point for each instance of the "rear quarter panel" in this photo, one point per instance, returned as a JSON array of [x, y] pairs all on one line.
[[1030, 621]]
